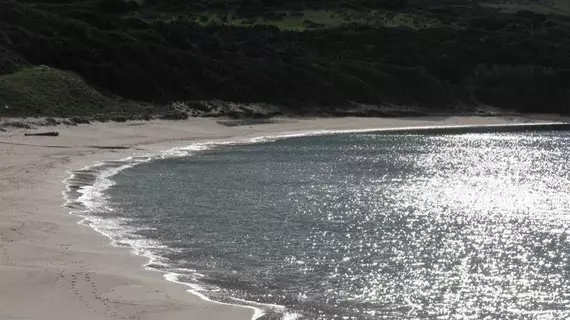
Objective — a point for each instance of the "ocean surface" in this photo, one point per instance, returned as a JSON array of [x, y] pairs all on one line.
[[359, 226]]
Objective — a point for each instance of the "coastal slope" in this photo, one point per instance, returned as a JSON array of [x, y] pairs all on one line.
[[303, 56]]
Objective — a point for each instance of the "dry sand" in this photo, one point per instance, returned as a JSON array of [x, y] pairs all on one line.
[[51, 267]]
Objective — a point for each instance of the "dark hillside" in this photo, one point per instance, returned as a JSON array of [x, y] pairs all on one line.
[[299, 54]]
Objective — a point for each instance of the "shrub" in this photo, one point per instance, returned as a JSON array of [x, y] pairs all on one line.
[[119, 118], [174, 115], [80, 120], [118, 6]]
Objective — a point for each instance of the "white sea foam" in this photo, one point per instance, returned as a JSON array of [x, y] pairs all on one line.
[[90, 197]]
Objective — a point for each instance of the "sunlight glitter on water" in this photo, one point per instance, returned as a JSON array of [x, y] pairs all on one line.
[[500, 211], [369, 226]]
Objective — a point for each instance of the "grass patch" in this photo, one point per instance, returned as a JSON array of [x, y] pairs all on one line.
[[407, 20], [44, 91], [306, 20], [560, 7], [321, 19]]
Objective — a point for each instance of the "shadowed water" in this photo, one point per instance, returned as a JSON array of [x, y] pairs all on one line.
[[365, 226]]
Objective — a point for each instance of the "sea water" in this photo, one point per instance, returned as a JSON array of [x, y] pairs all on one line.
[[362, 225]]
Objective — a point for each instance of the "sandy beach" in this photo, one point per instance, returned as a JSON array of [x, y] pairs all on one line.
[[52, 267]]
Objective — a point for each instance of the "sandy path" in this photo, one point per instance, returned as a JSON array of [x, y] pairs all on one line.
[[53, 268]]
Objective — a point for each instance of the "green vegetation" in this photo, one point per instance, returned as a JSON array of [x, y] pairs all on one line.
[[50, 92], [301, 21], [306, 56], [319, 19], [538, 6]]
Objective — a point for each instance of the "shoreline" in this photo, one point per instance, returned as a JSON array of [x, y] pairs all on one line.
[[65, 267]]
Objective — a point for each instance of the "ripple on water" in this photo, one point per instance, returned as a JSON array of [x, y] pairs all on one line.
[[367, 226]]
